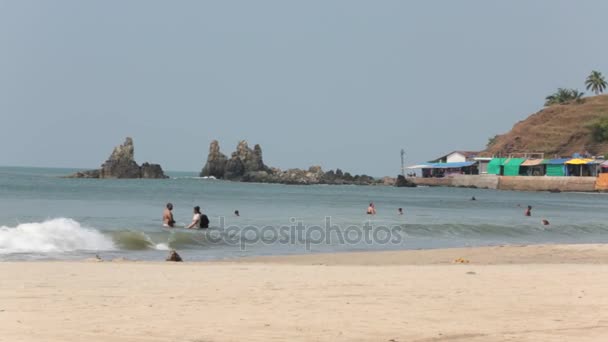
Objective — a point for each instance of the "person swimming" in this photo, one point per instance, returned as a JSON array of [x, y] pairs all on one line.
[[236, 213], [400, 211], [371, 210], [545, 222], [528, 211], [168, 220]]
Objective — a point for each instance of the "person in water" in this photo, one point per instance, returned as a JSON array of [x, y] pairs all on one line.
[[528, 211], [204, 221], [545, 222], [236, 213], [168, 220], [400, 211], [473, 198], [199, 220], [371, 210], [196, 219]]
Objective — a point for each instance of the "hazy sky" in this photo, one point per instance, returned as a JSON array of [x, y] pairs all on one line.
[[333, 83]]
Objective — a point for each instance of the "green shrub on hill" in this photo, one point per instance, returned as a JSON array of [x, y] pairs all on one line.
[[599, 130]]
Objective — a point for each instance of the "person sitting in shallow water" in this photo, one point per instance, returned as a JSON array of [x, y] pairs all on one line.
[[371, 210], [528, 211]]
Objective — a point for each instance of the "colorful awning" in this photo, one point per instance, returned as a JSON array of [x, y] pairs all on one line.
[[532, 162], [558, 161], [579, 161]]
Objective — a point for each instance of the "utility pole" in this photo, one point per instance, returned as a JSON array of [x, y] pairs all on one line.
[[402, 162]]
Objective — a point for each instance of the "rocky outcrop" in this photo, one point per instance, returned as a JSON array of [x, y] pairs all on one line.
[[121, 164], [216, 162], [404, 182], [148, 170], [247, 165], [242, 162], [85, 174]]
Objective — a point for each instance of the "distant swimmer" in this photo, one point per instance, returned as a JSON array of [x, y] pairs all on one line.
[[473, 198], [236, 213], [168, 220], [400, 211], [371, 210], [196, 219], [528, 211], [545, 222]]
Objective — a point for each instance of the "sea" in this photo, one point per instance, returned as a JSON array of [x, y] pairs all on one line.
[[46, 217]]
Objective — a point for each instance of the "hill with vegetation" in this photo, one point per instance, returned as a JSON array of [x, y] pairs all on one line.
[[574, 125]]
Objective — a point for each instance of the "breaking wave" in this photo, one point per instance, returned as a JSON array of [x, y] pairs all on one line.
[[52, 236]]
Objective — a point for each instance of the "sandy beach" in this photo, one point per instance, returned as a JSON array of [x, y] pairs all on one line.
[[525, 293]]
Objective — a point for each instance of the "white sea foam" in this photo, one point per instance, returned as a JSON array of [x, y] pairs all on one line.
[[52, 236], [162, 246]]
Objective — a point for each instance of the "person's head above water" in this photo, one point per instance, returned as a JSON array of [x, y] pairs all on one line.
[[169, 206], [236, 213], [197, 210], [529, 207]]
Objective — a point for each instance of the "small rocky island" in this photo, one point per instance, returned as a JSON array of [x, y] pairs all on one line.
[[121, 164], [246, 165]]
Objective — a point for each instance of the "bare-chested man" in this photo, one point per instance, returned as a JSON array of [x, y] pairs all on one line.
[[168, 220]]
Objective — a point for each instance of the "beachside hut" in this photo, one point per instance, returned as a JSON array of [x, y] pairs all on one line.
[[582, 167], [533, 167], [482, 164], [556, 167], [495, 166], [446, 169], [511, 166], [604, 166]]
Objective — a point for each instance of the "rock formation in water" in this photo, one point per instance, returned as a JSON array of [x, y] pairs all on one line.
[[242, 162], [121, 164], [401, 182], [247, 165], [216, 162]]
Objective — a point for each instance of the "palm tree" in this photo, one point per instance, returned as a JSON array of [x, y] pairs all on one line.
[[564, 96], [596, 82]]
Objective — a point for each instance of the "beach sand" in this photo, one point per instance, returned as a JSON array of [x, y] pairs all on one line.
[[535, 293]]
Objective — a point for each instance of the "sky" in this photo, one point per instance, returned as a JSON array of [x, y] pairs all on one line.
[[342, 84]]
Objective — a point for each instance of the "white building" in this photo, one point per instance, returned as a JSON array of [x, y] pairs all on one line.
[[456, 157]]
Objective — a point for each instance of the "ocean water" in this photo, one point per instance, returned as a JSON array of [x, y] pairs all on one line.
[[44, 216]]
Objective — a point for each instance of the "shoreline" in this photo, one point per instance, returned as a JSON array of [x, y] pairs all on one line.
[[510, 293]]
